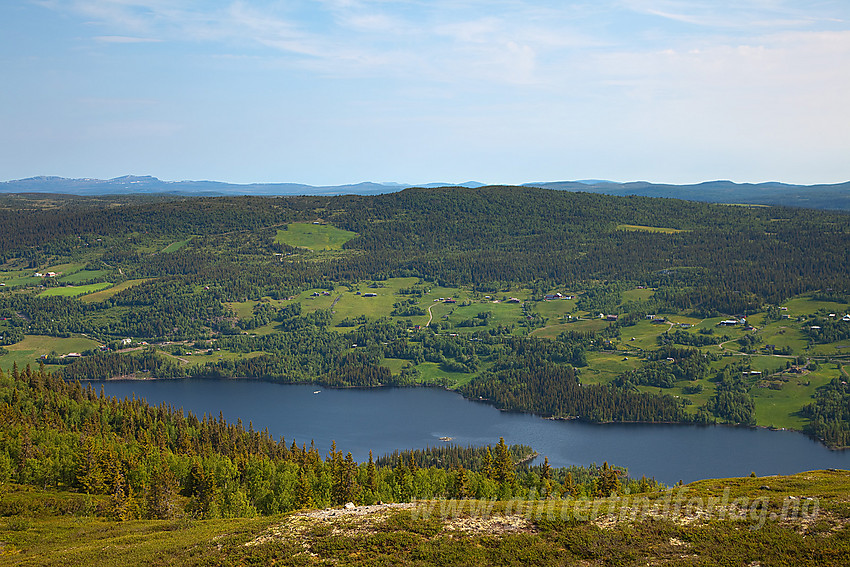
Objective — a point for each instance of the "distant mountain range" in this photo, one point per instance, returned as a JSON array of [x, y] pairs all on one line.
[[833, 197], [132, 184]]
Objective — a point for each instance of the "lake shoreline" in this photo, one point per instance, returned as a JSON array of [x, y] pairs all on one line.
[[393, 418], [133, 378]]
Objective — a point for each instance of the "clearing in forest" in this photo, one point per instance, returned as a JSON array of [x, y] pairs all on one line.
[[74, 291], [107, 293], [314, 236]]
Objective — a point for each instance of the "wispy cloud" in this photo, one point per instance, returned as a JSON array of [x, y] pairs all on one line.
[[124, 39], [521, 42], [442, 40], [739, 14]]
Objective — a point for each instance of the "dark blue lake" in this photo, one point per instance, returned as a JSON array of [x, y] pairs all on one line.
[[386, 419]]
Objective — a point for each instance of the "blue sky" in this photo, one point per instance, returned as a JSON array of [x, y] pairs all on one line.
[[498, 91]]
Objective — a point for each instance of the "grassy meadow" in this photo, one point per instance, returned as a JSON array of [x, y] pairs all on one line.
[[175, 246], [106, 293], [314, 236], [29, 350], [74, 290], [84, 276]]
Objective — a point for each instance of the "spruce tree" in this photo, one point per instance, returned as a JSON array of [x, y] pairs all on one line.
[[503, 466], [462, 488], [304, 498], [570, 487], [350, 488], [371, 475], [487, 467], [608, 481], [162, 494], [546, 475]]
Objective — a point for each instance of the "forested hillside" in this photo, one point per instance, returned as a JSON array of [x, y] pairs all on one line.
[[468, 236], [570, 305]]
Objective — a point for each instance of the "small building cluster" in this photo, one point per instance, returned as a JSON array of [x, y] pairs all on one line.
[[554, 296]]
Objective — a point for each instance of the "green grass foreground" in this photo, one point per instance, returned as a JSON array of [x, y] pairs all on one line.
[[780, 520]]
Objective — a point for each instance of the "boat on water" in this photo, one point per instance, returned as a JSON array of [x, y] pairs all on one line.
[[317, 392]]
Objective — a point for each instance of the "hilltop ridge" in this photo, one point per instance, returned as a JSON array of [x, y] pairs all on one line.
[[820, 196]]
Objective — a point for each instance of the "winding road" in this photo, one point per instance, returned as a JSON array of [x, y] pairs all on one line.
[[430, 316]]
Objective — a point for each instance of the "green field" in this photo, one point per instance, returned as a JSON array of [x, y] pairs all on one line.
[[644, 333], [637, 294], [432, 373], [314, 236], [192, 357], [395, 364], [351, 302], [602, 367], [66, 268], [107, 293], [29, 350], [352, 305], [83, 276], [805, 306], [502, 313], [779, 408], [175, 246], [19, 278], [555, 309], [243, 309], [550, 331], [74, 290]]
